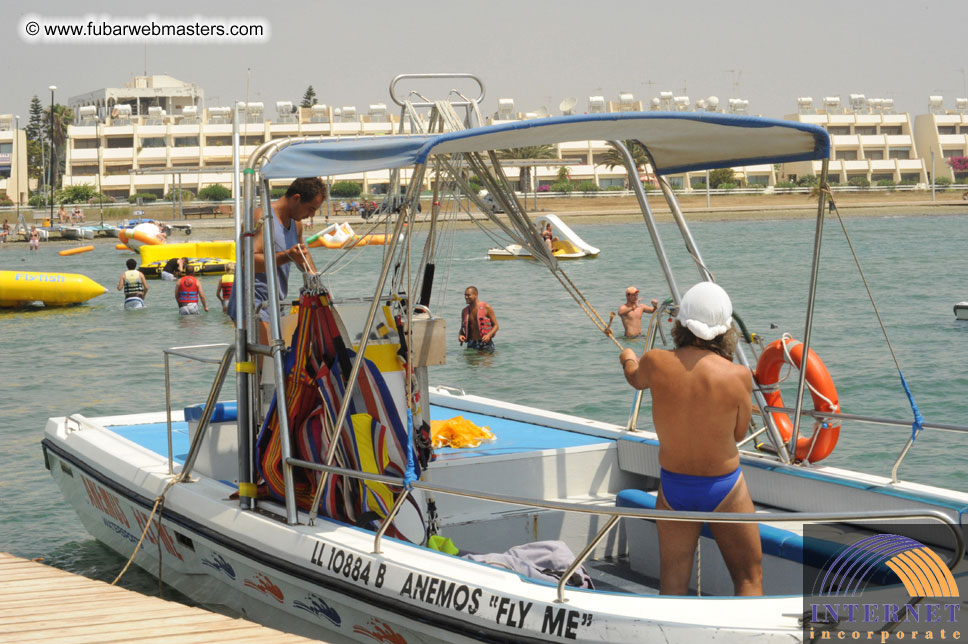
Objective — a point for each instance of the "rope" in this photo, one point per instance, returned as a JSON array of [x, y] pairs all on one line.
[[159, 501], [918, 423], [586, 306]]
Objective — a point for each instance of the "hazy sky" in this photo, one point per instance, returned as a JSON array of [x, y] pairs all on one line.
[[534, 51]]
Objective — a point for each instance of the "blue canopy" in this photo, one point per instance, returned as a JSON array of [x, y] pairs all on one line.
[[678, 142]]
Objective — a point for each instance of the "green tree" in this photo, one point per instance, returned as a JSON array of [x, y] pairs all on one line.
[[532, 152], [309, 98], [613, 158], [83, 193], [36, 120], [34, 160], [346, 189], [215, 192], [720, 176], [63, 117]]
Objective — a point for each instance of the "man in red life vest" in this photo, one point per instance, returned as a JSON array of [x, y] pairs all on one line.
[[478, 323], [188, 293]]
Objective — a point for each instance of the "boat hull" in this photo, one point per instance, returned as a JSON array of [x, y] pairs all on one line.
[[327, 581], [961, 311]]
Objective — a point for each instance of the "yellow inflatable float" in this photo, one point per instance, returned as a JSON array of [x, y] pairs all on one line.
[[207, 258], [19, 288], [342, 236], [75, 251]]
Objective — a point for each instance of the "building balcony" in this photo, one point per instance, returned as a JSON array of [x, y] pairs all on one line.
[[840, 119], [856, 166], [219, 129], [84, 155], [152, 154], [116, 154], [872, 140], [952, 140], [279, 130], [347, 129], [218, 151], [845, 141], [215, 177], [883, 165], [899, 140], [186, 153], [191, 129], [316, 129], [150, 180], [117, 130], [910, 164], [152, 130], [82, 132], [378, 128], [249, 129], [115, 181]]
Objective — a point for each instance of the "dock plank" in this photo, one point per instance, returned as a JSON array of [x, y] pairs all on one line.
[[39, 603]]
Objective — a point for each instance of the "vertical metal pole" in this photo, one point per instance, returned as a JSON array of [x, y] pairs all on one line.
[[276, 342], [811, 301], [708, 199], [932, 175], [16, 161], [52, 161], [244, 375]]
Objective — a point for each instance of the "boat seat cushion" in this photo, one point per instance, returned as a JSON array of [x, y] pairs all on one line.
[[224, 412]]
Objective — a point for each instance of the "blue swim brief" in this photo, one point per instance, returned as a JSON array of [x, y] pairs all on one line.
[[689, 493]]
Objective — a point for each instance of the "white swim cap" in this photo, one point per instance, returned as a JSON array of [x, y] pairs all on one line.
[[705, 310]]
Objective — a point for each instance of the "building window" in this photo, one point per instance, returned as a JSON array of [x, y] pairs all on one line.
[[153, 142], [4, 171], [947, 154], [899, 153], [84, 169], [838, 129], [251, 139], [186, 141], [117, 169], [847, 155], [85, 144], [578, 159], [6, 148], [758, 180], [121, 142], [865, 130], [910, 177], [889, 176], [611, 183], [117, 194], [946, 129], [874, 155], [675, 182], [218, 140], [892, 130]]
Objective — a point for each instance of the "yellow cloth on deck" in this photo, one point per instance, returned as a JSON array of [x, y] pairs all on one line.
[[458, 432]]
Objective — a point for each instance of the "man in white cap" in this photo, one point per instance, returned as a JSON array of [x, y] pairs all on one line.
[[700, 408], [631, 312]]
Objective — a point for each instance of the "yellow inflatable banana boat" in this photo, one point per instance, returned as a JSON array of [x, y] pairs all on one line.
[[18, 288]]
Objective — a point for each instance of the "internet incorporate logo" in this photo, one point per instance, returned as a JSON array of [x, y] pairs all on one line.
[[895, 576], [922, 572]]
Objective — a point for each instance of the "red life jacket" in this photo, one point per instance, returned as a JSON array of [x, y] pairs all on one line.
[[187, 290], [483, 321]]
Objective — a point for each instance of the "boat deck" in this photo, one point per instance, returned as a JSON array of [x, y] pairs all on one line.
[[512, 437]]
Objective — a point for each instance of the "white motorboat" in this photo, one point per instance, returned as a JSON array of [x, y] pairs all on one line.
[[961, 311], [329, 521]]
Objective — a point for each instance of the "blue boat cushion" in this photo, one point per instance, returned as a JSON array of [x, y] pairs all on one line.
[[224, 412], [776, 541]]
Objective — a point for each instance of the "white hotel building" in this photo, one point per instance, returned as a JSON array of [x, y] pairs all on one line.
[[156, 132]]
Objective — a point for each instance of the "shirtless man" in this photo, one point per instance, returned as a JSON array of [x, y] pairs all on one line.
[[631, 312], [478, 323], [700, 408]]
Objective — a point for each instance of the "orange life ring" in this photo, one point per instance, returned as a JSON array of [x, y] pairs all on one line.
[[822, 390]]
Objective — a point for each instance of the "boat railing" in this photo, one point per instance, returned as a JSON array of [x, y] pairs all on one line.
[[614, 514], [828, 415], [213, 394]]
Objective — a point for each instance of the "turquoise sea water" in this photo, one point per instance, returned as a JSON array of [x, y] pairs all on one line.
[[97, 359]]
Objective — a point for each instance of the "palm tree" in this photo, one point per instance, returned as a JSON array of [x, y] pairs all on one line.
[[547, 151], [63, 116], [612, 158]]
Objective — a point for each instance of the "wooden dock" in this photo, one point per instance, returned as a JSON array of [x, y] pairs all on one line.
[[39, 603]]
